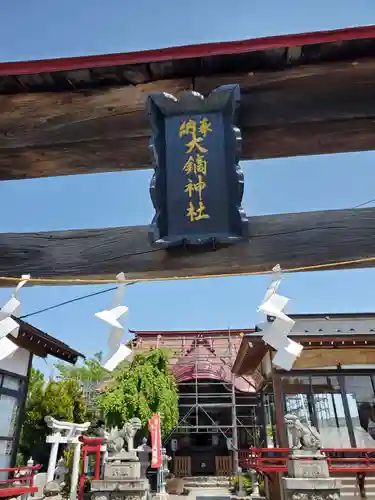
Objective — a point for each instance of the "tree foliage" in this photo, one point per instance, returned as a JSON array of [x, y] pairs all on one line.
[[137, 390], [60, 399], [144, 387], [90, 370], [88, 375]]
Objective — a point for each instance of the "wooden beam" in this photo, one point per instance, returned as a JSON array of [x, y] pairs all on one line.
[[325, 358], [65, 133], [293, 240], [325, 108]]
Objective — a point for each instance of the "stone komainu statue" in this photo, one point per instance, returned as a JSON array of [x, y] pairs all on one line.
[[304, 436], [131, 428], [116, 438], [115, 441]]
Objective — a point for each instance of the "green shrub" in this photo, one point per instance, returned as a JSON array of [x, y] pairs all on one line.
[[246, 481], [87, 486]]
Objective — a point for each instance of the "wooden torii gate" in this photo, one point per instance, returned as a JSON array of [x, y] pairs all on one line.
[[303, 94]]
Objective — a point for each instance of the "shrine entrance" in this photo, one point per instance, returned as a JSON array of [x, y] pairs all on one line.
[[220, 414], [204, 433], [212, 429]]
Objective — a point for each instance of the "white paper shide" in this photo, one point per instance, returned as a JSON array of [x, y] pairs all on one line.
[[117, 352], [276, 331], [8, 325]]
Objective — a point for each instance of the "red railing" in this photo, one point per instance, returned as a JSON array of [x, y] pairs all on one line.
[[21, 484], [339, 459]]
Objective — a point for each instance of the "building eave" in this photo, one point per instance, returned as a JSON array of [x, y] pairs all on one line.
[[328, 316], [253, 349], [42, 344]]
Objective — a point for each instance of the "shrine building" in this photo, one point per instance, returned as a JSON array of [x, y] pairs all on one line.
[[233, 400], [15, 369], [211, 399]]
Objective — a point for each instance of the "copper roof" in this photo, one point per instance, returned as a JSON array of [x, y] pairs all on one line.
[[199, 355], [201, 361]]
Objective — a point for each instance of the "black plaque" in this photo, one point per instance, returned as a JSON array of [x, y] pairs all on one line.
[[197, 186]]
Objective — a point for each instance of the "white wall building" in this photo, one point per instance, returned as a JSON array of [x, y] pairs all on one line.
[[14, 378]]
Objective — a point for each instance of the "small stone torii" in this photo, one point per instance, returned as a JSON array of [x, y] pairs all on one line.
[[65, 433]]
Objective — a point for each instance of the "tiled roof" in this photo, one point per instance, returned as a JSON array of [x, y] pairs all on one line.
[[41, 344]]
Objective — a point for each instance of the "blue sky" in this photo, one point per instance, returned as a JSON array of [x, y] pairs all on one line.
[[47, 28]]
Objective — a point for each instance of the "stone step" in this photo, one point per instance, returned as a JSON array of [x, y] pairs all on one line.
[[206, 482], [208, 478], [352, 495], [370, 484], [349, 489], [210, 492], [213, 484], [355, 494]]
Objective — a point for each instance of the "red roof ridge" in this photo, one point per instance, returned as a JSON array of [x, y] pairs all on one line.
[[185, 51], [232, 331]]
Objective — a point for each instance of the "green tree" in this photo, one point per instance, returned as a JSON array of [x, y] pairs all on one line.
[[90, 370], [60, 399], [90, 375], [144, 387]]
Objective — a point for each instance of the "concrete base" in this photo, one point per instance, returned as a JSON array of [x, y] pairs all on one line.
[[161, 496], [109, 489], [118, 495], [122, 470], [301, 468], [311, 489]]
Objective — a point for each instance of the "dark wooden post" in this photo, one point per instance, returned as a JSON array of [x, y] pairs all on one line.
[[281, 435]]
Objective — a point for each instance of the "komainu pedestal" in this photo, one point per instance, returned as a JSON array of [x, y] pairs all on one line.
[[122, 470], [312, 489], [308, 473]]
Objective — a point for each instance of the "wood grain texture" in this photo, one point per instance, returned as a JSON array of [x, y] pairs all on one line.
[[292, 240], [317, 109], [320, 358]]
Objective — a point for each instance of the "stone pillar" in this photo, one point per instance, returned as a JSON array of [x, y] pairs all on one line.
[[30, 463], [60, 472], [241, 491], [75, 470], [255, 493], [55, 441], [162, 471], [308, 473], [144, 452], [104, 451]]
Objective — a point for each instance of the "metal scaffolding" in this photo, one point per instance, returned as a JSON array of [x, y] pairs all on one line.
[[212, 400]]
